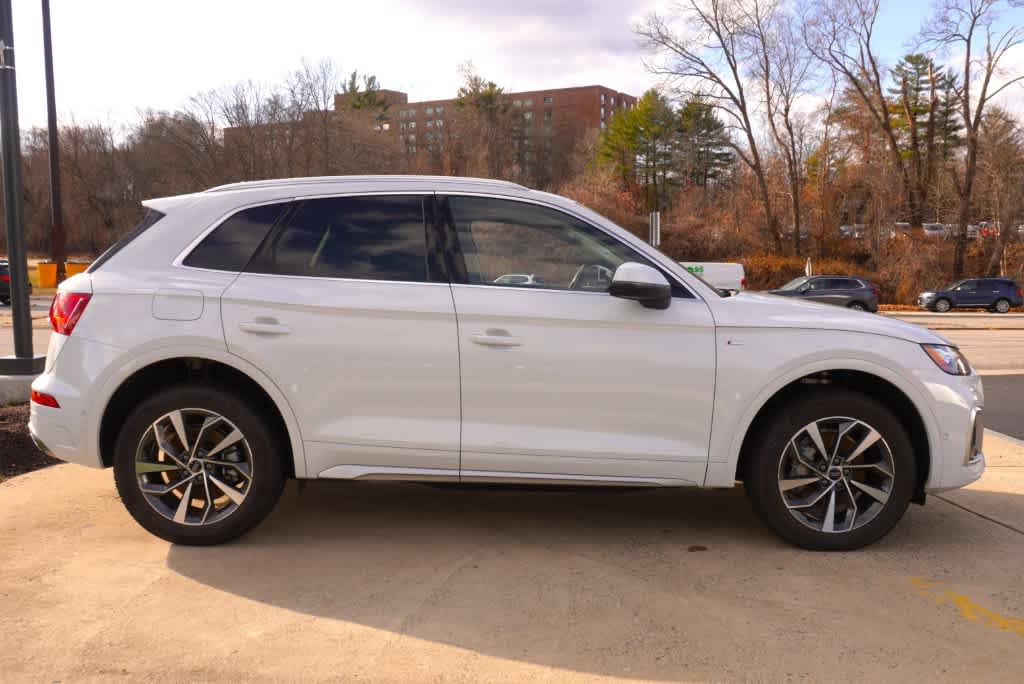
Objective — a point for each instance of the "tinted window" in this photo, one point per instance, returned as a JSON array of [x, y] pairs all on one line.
[[968, 286], [515, 244], [818, 284], [148, 220], [372, 238], [231, 244], [849, 284]]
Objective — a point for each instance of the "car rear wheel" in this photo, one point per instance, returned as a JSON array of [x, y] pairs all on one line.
[[857, 306], [833, 470], [1002, 306], [942, 305], [197, 465]]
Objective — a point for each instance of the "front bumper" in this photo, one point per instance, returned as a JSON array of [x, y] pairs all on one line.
[[958, 458]]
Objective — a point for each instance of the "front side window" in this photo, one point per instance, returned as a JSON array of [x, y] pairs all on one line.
[[370, 238], [514, 244], [231, 244]]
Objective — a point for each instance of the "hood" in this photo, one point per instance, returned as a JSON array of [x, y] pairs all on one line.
[[756, 310]]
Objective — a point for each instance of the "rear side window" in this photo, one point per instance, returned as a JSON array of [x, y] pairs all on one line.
[[230, 246], [148, 220], [369, 238]]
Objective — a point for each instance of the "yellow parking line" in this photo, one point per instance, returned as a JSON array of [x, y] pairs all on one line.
[[937, 592]]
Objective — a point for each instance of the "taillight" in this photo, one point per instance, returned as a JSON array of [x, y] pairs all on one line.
[[743, 283], [66, 309], [44, 399], [875, 291], [1020, 293], [6, 277]]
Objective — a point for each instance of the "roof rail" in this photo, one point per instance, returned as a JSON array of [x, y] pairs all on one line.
[[313, 180]]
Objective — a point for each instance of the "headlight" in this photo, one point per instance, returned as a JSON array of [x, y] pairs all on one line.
[[948, 358], [927, 295]]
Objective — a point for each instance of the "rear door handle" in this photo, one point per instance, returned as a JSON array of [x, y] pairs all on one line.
[[268, 326], [496, 338]]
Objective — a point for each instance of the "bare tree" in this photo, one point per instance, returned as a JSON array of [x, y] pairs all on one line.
[[969, 27], [782, 67], [706, 60], [841, 34]]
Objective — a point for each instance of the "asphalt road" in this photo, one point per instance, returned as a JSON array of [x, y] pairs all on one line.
[[1004, 404]]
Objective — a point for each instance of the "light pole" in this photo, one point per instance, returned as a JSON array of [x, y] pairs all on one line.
[[23, 362], [56, 212]]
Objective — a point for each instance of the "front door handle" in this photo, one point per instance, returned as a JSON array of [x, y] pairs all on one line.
[[264, 326], [496, 337]]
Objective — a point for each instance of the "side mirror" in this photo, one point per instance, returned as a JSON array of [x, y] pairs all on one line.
[[641, 283]]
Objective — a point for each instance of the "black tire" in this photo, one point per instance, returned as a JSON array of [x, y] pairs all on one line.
[[1001, 306], [761, 471], [267, 469], [6, 301], [942, 305], [857, 306]]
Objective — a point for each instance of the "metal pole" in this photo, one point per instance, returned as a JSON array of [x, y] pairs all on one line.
[[56, 208], [10, 147]]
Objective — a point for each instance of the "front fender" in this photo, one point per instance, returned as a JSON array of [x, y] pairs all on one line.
[[745, 387]]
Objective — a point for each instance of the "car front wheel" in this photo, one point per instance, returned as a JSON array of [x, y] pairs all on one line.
[[198, 465], [942, 306], [833, 470]]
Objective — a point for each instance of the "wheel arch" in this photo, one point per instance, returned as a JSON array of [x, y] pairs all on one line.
[[174, 368], [876, 383]]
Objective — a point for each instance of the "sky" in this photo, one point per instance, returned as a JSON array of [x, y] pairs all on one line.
[[114, 58]]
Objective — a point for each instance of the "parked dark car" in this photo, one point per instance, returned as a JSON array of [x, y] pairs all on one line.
[[848, 291], [998, 295], [5, 283]]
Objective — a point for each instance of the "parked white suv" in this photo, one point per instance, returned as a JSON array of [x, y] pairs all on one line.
[[360, 328]]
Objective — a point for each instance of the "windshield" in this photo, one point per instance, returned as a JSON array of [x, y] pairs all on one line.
[[794, 283], [956, 284]]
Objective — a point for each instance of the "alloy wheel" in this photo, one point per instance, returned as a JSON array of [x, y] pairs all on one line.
[[1002, 306], [942, 306], [194, 467], [836, 474]]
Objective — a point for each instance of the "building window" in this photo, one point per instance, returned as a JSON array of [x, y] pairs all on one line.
[[602, 125], [430, 110], [517, 103], [439, 110], [528, 103], [527, 115], [549, 99], [602, 112], [412, 124], [613, 100], [430, 123], [411, 149], [403, 125], [602, 98]]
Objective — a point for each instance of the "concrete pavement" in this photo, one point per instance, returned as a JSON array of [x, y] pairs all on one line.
[[402, 583]]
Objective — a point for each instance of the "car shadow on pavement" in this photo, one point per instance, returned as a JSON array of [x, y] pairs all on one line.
[[606, 582]]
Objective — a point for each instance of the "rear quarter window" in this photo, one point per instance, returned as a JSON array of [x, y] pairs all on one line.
[[230, 246], [149, 219]]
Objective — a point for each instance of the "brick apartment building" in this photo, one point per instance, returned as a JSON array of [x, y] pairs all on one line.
[[545, 113], [551, 123]]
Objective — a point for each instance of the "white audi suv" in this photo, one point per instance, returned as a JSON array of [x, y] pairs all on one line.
[[374, 328]]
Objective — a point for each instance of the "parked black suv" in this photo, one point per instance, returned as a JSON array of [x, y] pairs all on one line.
[[5, 283], [995, 294], [848, 291]]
